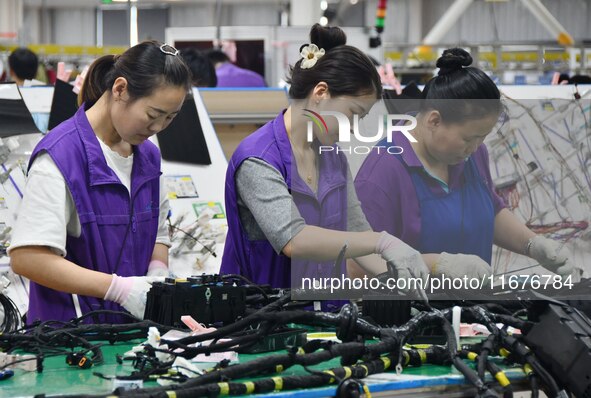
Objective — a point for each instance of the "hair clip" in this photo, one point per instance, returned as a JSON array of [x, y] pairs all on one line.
[[169, 50], [310, 55]]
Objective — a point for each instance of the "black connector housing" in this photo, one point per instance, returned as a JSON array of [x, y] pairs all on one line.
[[561, 339], [206, 298]]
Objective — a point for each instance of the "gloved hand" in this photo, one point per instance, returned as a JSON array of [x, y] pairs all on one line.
[[407, 261], [158, 268], [458, 265], [130, 292], [550, 255]]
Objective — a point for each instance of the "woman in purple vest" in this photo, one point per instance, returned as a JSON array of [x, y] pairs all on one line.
[[290, 201], [438, 195], [91, 231]]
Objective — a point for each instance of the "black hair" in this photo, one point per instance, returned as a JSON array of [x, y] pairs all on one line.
[[459, 81], [145, 66], [24, 63], [563, 77], [345, 69], [202, 70], [374, 61], [217, 56], [580, 79]]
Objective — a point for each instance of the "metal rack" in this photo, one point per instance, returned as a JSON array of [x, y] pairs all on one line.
[[496, 58]]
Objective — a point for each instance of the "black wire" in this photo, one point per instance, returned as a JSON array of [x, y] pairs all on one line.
[[12, 317], [16, 362], [174, 227], [535, 386], [47, 338], [520, 312], [248, 281], [36, 358], [526, 356], [487, 347], [349, 327], [186, 368]]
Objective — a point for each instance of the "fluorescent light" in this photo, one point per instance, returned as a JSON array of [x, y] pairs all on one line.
[[133, 35], [323, 5], [323, 21]]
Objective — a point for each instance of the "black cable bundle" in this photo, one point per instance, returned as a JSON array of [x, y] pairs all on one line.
[[12, 319], [358, 359], [54, 338]]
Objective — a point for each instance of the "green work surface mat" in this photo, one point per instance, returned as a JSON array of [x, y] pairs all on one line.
[[58, 378]]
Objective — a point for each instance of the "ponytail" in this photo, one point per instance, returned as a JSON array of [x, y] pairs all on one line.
[[146, 67], [97, 77]]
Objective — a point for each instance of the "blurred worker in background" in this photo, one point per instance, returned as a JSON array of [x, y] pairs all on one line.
[[202, 70], [230, 75], [22, 67]]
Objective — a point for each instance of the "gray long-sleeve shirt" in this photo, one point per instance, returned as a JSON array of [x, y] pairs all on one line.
[[267, 210]]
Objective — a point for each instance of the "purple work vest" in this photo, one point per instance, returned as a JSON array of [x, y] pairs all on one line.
[[257, 260], [118, 233]]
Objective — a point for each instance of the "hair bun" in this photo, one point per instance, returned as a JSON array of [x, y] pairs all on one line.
[[453, 59], [327, 37]]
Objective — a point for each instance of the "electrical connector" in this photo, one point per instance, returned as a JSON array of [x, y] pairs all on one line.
[[569, 361]]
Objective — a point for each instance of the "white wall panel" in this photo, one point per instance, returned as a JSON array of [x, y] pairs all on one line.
[[74, 26]]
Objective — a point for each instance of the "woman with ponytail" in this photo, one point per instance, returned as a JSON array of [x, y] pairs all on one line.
[[291, 208], [438, 195], [91, 232]]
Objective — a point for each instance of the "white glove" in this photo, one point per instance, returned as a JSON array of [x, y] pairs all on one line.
[[158, 268], [131, 292], [458, 265], [550, 255], [407, 261]]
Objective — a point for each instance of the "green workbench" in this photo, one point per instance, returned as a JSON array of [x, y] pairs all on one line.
[[60, 378]]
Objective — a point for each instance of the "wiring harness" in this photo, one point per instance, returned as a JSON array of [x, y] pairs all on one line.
[[365, 349]]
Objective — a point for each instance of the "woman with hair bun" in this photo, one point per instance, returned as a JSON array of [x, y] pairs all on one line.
[[290, 207], [91, 230], [438, 195]]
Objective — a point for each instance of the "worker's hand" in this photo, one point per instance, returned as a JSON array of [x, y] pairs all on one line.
[[62, 73], [79, 81], [158, 268], [406, 260], [131, 291], [551, 255], [458, 265]]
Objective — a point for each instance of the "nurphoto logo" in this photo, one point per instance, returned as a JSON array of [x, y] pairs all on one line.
[[394, 123]]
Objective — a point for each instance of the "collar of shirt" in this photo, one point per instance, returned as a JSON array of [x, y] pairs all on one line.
[[99, 171], [411, 160]]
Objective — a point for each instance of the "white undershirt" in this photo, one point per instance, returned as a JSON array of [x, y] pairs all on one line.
[[47, 213]]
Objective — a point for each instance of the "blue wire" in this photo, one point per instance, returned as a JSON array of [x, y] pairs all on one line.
[[13, 182], [557, 134]]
